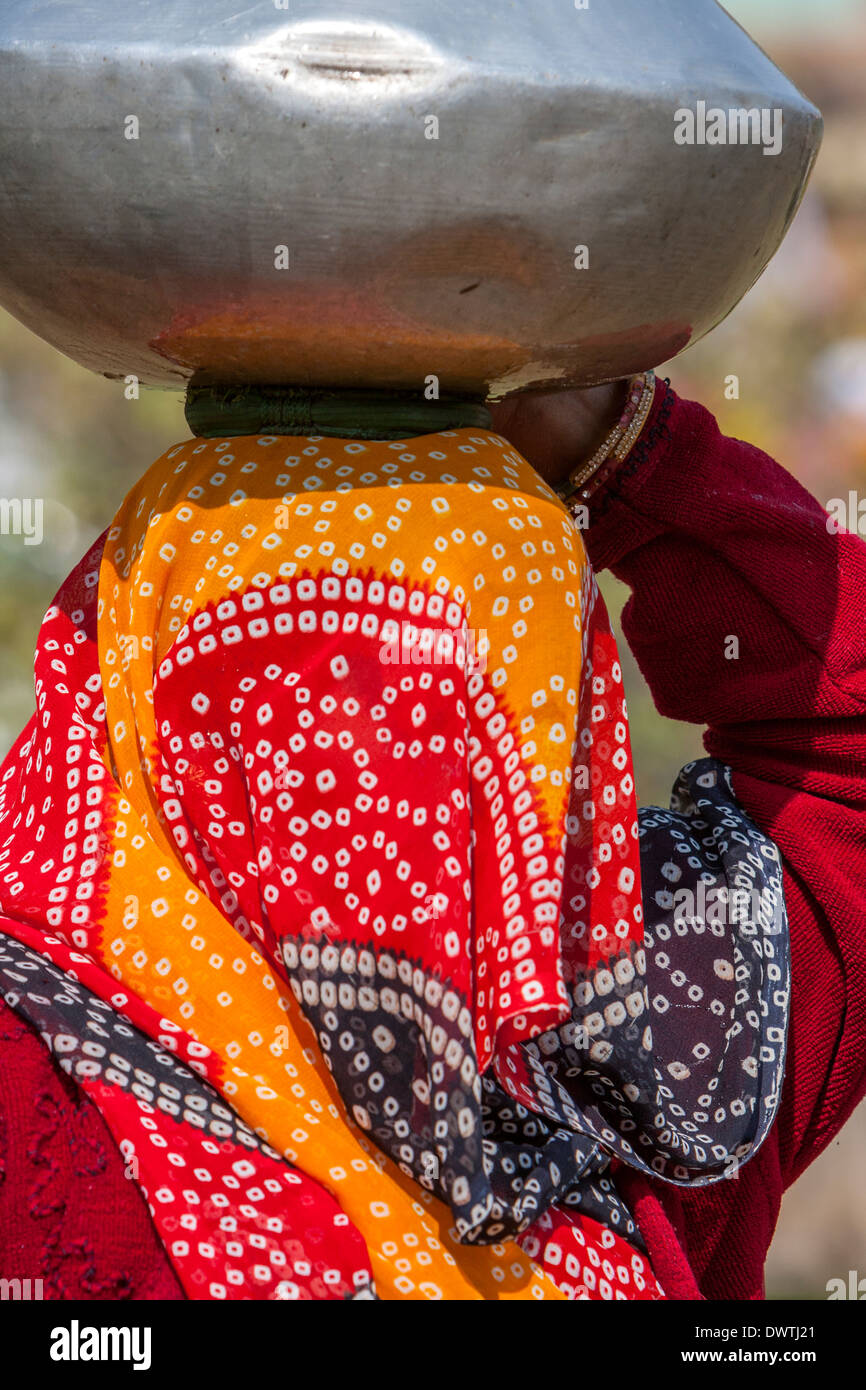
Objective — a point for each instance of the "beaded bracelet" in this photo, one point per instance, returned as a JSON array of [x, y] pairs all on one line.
[[586, 478]]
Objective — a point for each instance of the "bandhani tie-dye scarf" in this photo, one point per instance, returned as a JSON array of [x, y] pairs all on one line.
[[320, 872]]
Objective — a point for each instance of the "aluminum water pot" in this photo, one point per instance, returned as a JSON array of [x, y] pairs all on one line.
[[387, 191]]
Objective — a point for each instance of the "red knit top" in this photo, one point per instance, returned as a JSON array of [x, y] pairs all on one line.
[[715, 540]]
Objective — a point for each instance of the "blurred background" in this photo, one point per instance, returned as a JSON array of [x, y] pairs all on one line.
[[797, 343]]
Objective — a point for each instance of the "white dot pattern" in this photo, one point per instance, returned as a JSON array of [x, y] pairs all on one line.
[[329, 797]]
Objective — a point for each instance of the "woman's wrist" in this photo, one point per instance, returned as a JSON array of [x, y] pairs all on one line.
[[620, 515], [591, 474], [554, 430]]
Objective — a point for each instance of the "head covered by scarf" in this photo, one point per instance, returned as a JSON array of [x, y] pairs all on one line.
[[320, 873]]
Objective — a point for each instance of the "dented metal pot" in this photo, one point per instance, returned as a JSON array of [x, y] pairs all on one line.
[[500, 197]]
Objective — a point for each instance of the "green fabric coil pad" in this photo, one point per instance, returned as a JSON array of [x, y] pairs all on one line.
[[214, 412]]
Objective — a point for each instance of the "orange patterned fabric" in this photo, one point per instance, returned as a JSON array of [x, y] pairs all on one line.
[[330, 737]]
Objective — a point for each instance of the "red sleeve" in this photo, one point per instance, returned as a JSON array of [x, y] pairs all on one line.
[[68, 1215], [746, 615]]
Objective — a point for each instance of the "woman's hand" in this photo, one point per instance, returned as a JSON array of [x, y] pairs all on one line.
[[557, 430]]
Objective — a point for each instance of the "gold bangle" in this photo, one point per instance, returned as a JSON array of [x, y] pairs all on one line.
[[620, 440]]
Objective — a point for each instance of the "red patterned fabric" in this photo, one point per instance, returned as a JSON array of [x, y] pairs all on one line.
[[713, 537], [229, 795]]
